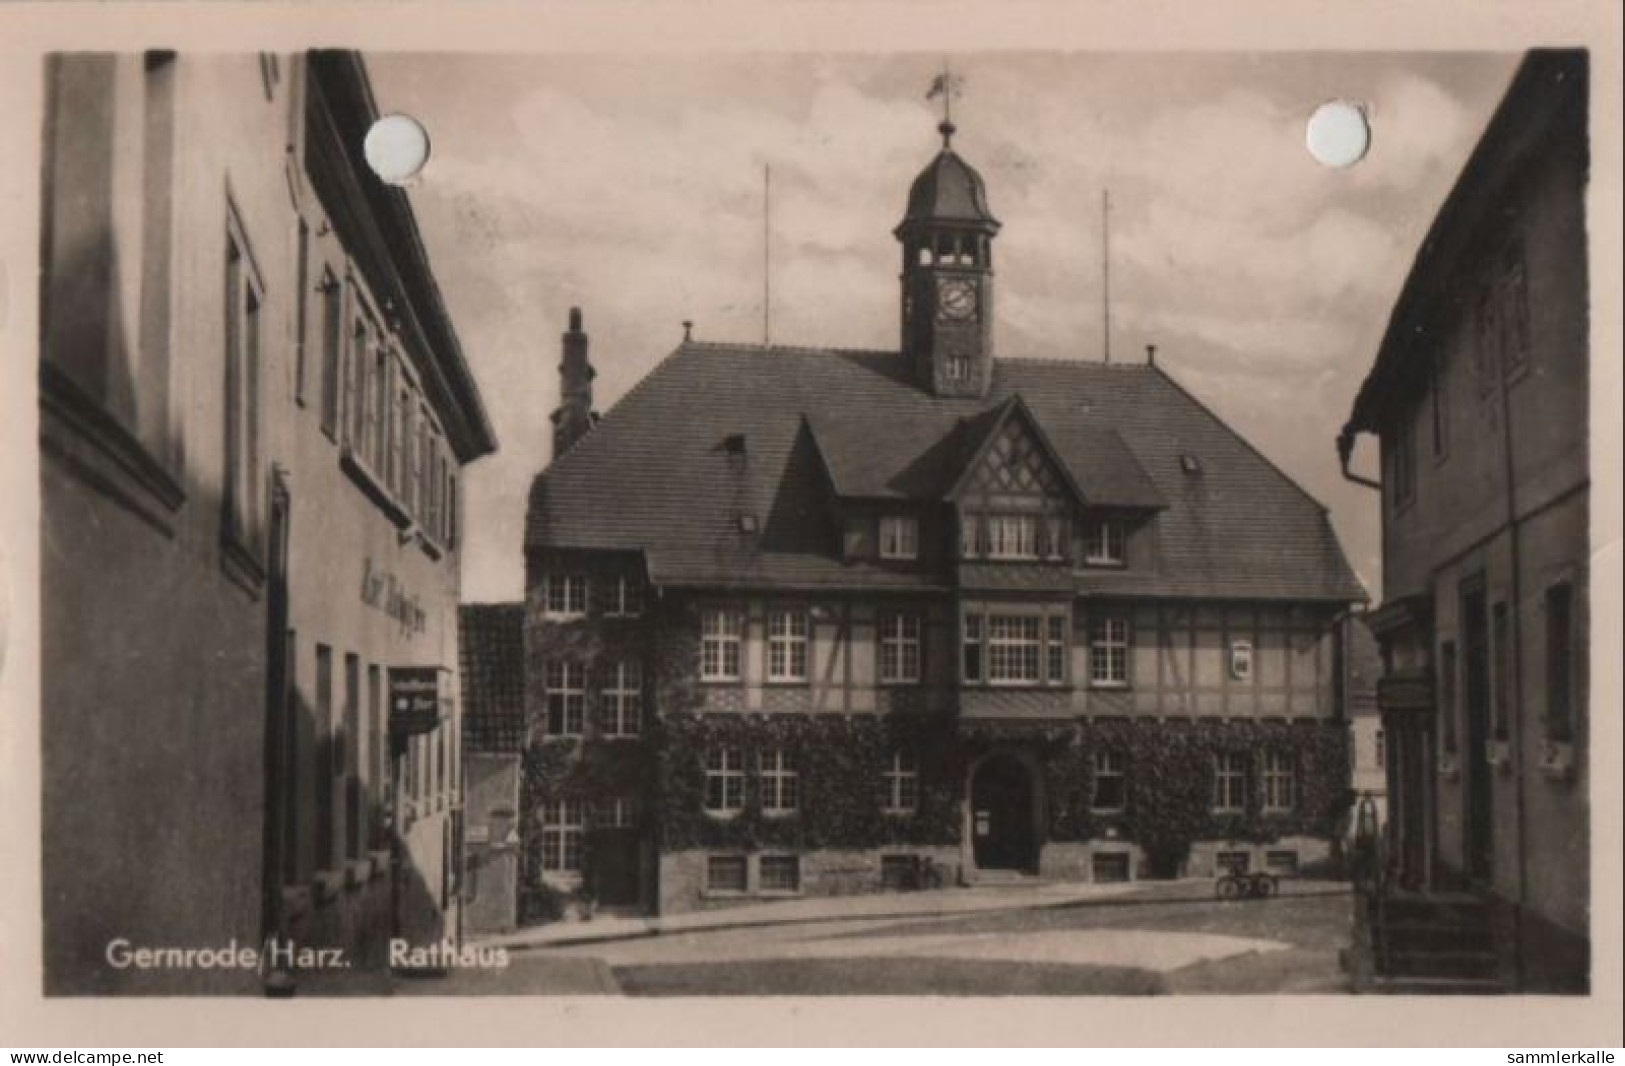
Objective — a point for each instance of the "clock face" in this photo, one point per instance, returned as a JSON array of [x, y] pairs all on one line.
[[956, 300]]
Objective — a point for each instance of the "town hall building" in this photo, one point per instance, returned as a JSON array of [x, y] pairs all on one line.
[[811, 621]]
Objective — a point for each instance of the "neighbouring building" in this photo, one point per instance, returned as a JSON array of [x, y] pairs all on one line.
[[1479, 398], [493, 640], [1368, 752], [254, 414], [806, 621]]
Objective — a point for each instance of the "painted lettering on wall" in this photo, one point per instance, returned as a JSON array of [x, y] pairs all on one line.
[[381, 590]]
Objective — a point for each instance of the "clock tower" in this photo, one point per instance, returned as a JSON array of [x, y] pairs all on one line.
[[947, 238]]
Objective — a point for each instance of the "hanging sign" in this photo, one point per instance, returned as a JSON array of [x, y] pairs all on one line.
[[416, 698]]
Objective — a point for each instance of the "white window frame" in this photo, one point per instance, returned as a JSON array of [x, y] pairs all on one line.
[[1229, 782], [1011, 653], [564, 826], [1109, 763], [564, 595], [899, 648], [789, 640], [1241, 660], [712, 888], [725, 765], [902, 784], [899, 537], [617, 812], [1057, 645], [566, 681], [1109, 639], [244, 343], [627, 599], [722, 639], [780, 782], [1280, 782], [1012, 536], [956, 368], [1105, 544], [971, 645], [620, 713]]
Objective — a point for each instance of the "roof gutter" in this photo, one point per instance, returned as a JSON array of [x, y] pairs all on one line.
[[1345, 452]]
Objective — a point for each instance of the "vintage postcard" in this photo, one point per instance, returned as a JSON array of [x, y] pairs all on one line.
[[983, 518]]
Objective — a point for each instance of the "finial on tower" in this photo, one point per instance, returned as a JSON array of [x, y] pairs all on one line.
[[946, 85]]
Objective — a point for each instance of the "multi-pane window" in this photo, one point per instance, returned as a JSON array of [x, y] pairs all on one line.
[[1055, 649], [899, 648], [1447, 695], [1013, 643], [787, 646], [565, 595], [1012, 537], [973, 647], [564, 823], [1439, 404], [566, 697], [620, 712], [1108, 652], [721, 635], [899, 538], [970, 536], [779, 873], [244, 295], [902, 784], [724, 781], [1280, 781], [781, 785], [725, 873], [1111, 782], [1560, 663], [1103, 544], [1230, 781], [625, 598], [617, 812], [1402, 460]]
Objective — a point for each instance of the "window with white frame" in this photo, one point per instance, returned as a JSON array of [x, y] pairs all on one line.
[[1055, 649], [899, 648], [243, 446], [566, 697], [565, 595], [620, 711], [787, 646], [970, 536], [1111, 781], [1280, 781], [617, 812], [973, 648], [563, 825], [1012, 537], [1108, 652], [1057, 534], [1013, 644], [721, 635], [899, 537], [902, 784], [724, 781], [1241, 660], [1103, 544], [1230, 781], [781, 784], [626, 598]]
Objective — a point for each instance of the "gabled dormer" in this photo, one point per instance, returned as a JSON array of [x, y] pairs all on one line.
[[1015, 498]]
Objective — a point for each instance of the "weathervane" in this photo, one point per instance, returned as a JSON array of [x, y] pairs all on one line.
[[946, 85]]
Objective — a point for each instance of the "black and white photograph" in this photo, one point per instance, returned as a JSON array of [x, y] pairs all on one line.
[[901, 521]]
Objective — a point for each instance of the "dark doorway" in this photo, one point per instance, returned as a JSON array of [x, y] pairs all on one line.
[[1478, 817], [1002, 812], [281, 716], [615, 853], [1408, 764]]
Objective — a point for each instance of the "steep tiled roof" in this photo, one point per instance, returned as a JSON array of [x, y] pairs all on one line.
[[492, 639], [658, 474]]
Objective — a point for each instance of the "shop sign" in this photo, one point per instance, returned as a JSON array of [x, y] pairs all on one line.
[[382, 591], [417, 696]]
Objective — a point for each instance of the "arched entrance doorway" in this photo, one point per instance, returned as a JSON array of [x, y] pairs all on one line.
[[1003, 828]]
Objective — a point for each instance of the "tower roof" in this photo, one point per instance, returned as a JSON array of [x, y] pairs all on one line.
[[948, 190]]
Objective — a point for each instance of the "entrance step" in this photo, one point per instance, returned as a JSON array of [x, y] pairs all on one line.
[[1020, 878]]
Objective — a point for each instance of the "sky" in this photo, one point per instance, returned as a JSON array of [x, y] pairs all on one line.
[[632, 187]]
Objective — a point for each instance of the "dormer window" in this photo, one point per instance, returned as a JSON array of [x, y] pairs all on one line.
[[1103, 544], [564, 595], [1012, 537], [899, 537]]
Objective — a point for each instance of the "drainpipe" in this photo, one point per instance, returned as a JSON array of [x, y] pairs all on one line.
[[1345, 452]]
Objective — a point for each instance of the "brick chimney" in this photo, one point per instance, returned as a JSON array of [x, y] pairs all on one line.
[[575, 417]]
